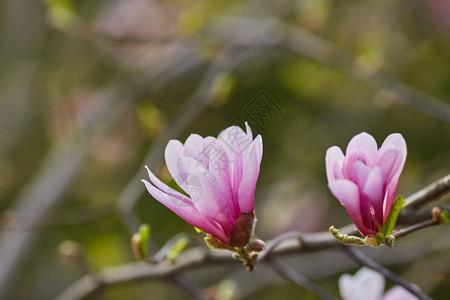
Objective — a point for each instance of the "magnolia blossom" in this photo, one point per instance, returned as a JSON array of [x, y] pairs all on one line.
[[365, 179], [367, 284], [219, 176]]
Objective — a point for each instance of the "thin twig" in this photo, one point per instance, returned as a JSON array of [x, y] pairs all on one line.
[[291, 275], [405, 231], [361, 258], [55, 218], [303, 42], [428, 193], [188, 286], [410, 216]]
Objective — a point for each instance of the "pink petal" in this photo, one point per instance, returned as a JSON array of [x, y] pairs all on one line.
[[235, 169], [187, 212], [359, 173], [397, 142], [207, 194], [350, 160], [236, 142], [398, 293], [347, 193], [393, 141], [251, 167], [193, 146], [334, 159], [174, 150], [249, 130], [389, 198], [366, 284], [166, 189], [209, 150], [374, 191], [387, 160], [365, 145], [219, 168]]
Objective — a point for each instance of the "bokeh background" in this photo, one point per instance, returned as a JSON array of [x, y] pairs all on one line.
[[92, 90]]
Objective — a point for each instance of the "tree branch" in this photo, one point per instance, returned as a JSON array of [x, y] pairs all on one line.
[[188, 286], [291, 275], [428, 193], [405, 231]]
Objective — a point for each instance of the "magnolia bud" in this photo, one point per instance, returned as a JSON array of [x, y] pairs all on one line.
[[70, 250], [177, 248], [216, 244], [139, 242], [436, 214], [256, 245], [389, 241]]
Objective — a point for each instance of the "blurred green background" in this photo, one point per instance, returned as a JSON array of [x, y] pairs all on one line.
[[92, 90]]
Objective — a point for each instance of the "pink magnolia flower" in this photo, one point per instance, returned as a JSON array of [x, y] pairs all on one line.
[[365, 179], [367, 284], [219, 175]]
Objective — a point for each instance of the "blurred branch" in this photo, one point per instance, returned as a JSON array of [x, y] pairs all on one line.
[[306, 43], [358, 256], [405, 231], [188, 286], [55, 218], [429, 193], [291, 275], [410, 216]]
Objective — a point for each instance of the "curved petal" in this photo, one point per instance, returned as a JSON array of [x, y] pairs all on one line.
[[399, 293], [218, 166], [187, 212], [251, 167], [389, 198], [366, 284], [166, 189], [394, 143], [364, 144], [209, 150], [193, 146], [374, 191], [235, 169], [358, 173], [236, 142], [348, 290], [249, 130], [334, 159], [207, 194], [174, 150], [397, 142], [348, 194]]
